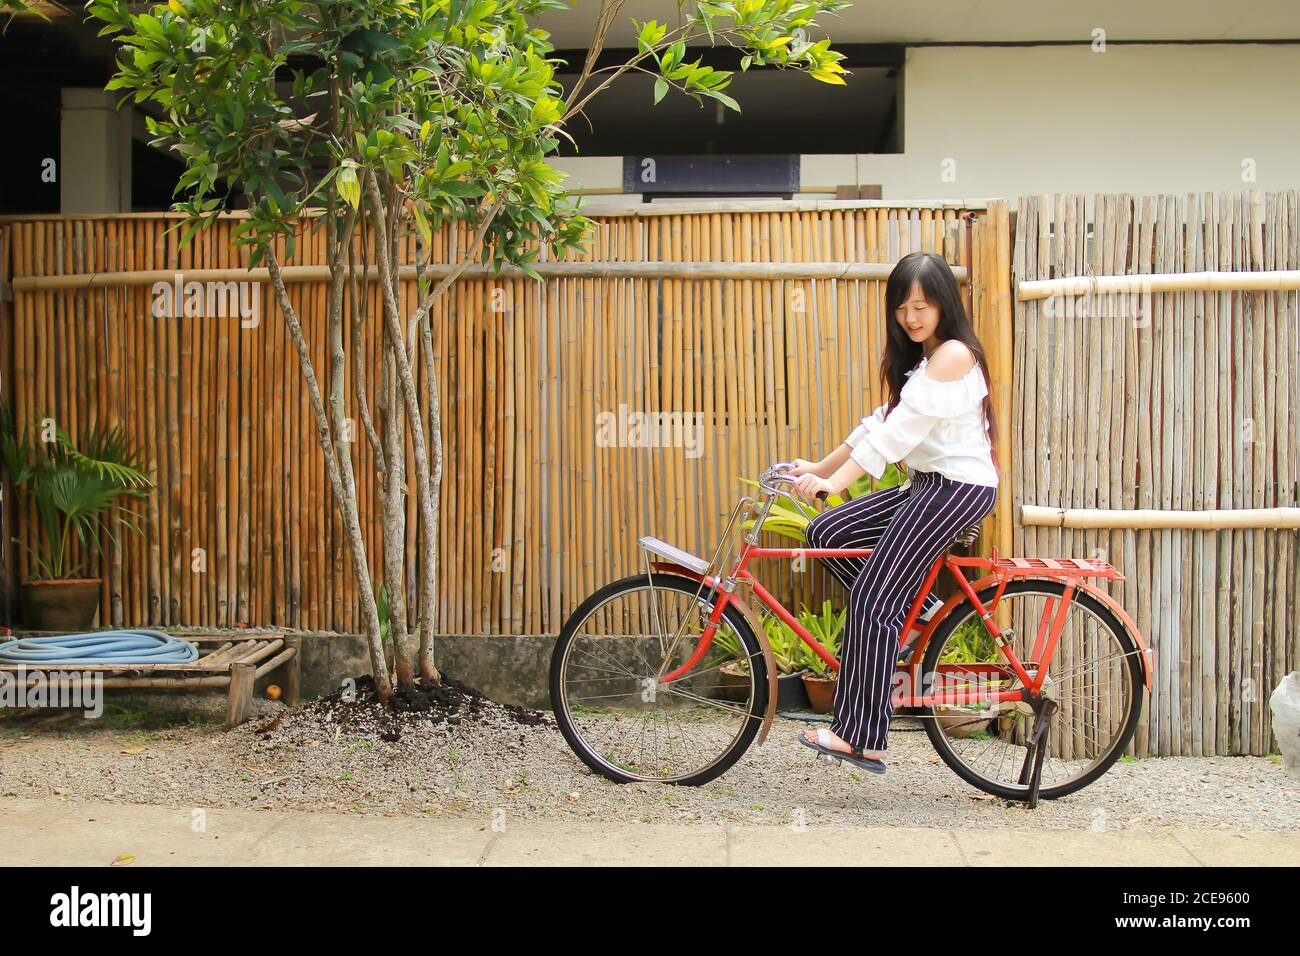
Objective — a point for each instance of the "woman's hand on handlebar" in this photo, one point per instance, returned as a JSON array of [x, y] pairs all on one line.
[[812, 486], [802, 466]]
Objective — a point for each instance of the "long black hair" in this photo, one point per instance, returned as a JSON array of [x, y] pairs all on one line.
[[901, 355]]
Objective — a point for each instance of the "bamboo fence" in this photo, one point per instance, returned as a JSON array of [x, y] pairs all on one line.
[[1165, 396], [761, 326], [1151, 396]]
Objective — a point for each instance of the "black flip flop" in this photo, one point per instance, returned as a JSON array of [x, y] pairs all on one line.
[[855, 758]]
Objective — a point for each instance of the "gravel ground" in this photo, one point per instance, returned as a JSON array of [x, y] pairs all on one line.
[[488, 761]]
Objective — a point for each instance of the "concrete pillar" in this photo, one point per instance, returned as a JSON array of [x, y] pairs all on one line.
[[94, 153]]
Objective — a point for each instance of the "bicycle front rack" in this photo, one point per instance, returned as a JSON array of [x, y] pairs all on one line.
[[707, 570]]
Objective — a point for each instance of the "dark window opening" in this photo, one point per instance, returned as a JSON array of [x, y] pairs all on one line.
[[782, 111]]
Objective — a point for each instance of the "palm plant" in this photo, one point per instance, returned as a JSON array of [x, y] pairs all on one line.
[[75, 486], [785, 644], [827, 628], [970, 643]]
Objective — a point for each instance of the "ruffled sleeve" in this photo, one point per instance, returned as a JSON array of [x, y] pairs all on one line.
[[923, 402], [902, 430], [871, 421], [944, 399]]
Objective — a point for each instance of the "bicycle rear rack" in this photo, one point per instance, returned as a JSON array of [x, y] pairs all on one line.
[[1061, 567]]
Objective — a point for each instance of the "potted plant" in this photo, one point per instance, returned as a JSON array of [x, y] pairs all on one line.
[[964, 720], [818, 679], [733, 676], [787, 520], [79, 490], [970, 643], [787, 652]]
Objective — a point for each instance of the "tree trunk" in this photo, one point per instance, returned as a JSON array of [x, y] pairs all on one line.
[[421, 336], [395, 523], [392, 320], [339, 470], [429, 610]]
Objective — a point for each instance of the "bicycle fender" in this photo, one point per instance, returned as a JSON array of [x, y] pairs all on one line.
[[1145, 654], [769, 662]]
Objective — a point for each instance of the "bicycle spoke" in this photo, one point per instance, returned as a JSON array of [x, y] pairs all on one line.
[[669, 689], [1096, 662], [605, 660]]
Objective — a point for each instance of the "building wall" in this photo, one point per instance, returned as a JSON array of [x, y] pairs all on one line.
[[1009, 121]]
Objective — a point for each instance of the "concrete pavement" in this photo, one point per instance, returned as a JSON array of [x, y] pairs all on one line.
[[64, 833]]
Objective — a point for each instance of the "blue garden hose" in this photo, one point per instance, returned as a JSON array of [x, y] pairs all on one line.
[[101, 647]]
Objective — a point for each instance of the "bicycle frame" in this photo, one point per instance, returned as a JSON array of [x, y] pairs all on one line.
[[1045, 641], [1031, 674]]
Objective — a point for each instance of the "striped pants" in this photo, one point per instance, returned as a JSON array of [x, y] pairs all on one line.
[[906, 527]]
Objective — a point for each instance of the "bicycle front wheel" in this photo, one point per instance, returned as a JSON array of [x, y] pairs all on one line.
[[619, 717], [1094, 676]]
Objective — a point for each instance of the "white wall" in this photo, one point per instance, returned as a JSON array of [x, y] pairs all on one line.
[[1023, 120]]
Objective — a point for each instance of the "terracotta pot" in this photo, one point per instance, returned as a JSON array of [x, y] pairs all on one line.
[[960, 722], [734, 683], [64, 606], [821, 692]]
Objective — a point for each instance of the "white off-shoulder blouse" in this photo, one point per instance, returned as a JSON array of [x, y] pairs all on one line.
[[936, 426]]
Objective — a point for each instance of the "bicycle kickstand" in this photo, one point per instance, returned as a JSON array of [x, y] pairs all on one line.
[[1036, 749]]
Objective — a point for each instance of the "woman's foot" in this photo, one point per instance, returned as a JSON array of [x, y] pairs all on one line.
[[837, 744]]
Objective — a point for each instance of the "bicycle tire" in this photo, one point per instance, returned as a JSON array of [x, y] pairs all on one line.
[[960, 613], [734, 617]]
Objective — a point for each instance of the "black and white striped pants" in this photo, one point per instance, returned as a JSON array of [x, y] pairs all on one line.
[[906, 527]]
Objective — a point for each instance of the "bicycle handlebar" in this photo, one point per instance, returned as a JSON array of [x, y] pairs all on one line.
[[776, 472]]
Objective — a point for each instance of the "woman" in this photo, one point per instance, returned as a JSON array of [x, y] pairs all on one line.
[[939, 422]]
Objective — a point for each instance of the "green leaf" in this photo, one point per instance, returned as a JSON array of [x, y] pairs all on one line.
[[463, 190], [827, 76], [672, 56], [726, 101], [368, 42], [661, 87], [546, 110], [422, 224], [708, 21], [349, 186]]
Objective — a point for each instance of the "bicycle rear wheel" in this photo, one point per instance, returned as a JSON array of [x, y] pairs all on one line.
[[620, 719], [1094, 676]]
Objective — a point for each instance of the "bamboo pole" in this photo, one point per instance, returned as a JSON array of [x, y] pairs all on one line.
[[1258, 469], [1218, 449], [630, 210], [9, 352], [1005, 377], [575, 269], [1261, 280]]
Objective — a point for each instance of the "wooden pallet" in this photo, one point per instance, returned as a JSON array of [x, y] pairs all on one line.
[[229, 660]]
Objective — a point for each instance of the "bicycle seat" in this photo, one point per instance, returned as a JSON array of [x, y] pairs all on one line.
[[966, 537]]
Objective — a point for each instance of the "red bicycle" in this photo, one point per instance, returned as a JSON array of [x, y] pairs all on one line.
[[1029, 680]]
